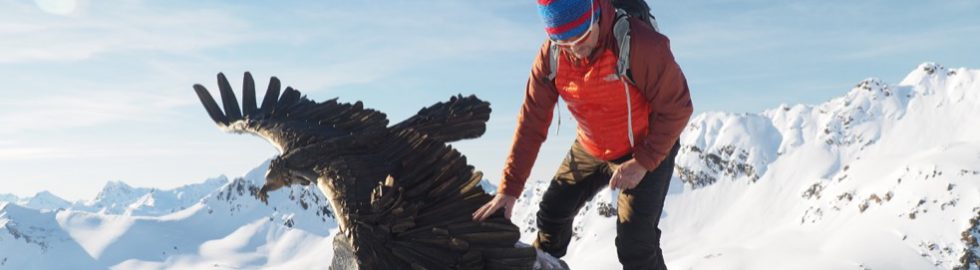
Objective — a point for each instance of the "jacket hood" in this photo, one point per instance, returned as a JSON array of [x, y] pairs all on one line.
[[607, 18]]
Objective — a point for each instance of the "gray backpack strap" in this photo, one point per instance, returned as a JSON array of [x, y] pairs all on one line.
[[553, 55], [621, 30], [554, 62]]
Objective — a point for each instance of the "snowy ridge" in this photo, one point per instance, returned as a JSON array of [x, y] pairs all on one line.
[[41, 200], [226, 228], [120, 198], [724, 146], [10, 198]]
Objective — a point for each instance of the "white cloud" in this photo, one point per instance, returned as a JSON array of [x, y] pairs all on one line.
[[28, 153], [385, 38], [878, 45], [49, 153], [108, 27], [358, 48], [57, 7], [84, 108]]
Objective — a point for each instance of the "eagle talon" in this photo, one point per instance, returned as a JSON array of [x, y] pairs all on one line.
[[263, 195]]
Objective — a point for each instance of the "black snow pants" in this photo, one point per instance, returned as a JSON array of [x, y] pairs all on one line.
[[578, 179]]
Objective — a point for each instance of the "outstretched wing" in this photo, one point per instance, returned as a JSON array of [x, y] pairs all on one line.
[[289, 120], [457, 119], [422, 215]]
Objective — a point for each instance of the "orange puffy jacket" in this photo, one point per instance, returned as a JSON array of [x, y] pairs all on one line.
[[597, 98], [660, 102]]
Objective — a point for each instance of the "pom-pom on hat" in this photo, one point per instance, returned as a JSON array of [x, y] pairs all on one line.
[[564, 19]]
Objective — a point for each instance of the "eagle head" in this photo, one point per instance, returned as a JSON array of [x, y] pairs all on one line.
[[281, 174]]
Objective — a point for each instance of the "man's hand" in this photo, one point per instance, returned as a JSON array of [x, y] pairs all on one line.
[[501, 200], [628, 175]]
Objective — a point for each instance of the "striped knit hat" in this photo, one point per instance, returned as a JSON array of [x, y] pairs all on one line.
[[564, 19]]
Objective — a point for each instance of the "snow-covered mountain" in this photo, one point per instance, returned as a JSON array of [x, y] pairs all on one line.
[[224, 228], [41, 200], [883, 177], [120, 198]]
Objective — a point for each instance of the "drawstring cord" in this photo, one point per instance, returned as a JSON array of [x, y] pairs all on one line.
[[629, 112], [558, 108], [558, 104]]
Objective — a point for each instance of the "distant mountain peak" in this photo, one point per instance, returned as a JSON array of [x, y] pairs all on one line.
[[47, 200], [9, 198], [872, 86], [118, 184], [932, 68], [114, 187], [46, 194], [928, 78]]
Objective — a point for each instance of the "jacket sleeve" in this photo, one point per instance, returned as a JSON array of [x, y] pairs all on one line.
[[533, 121], [662, 82]]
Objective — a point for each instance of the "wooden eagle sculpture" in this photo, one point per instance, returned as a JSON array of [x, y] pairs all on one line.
[[402, 197]]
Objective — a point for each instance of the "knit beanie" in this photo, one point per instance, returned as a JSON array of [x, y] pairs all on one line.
[[564, 19]]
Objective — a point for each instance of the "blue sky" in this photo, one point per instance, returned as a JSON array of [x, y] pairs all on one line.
[[97, 91]]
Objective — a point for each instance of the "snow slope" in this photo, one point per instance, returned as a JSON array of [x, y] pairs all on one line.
[[883, 177]]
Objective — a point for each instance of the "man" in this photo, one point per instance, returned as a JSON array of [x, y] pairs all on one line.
[[628, 128]]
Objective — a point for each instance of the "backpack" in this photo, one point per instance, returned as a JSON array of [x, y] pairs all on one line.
[[621, 31], [638, 9]]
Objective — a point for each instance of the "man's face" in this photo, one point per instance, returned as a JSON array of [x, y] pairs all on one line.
[[581, 46]]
